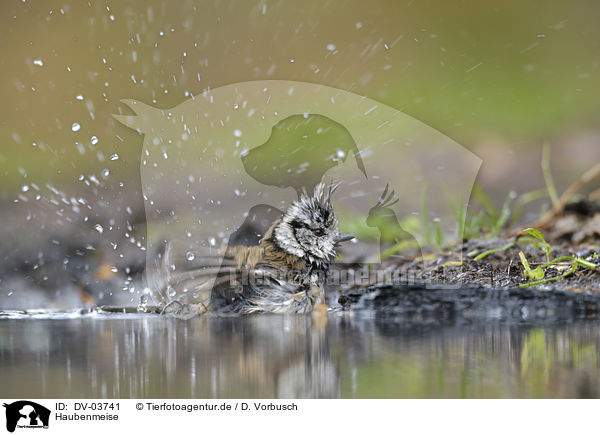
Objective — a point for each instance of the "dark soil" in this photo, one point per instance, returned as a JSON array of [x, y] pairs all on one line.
[[70, 270], [575, 233]]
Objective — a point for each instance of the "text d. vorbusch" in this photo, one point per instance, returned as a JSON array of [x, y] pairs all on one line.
[[274, 407], [269, 406]]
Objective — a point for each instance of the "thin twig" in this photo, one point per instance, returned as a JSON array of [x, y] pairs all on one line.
[[588, 176]]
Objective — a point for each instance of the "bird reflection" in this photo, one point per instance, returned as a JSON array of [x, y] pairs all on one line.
[[343, 354], [298, 368]]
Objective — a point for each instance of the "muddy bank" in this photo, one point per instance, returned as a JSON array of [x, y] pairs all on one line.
[[432, 303], [75, 269], [572, 236]]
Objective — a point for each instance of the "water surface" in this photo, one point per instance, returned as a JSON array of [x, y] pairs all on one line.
[[339, 355]]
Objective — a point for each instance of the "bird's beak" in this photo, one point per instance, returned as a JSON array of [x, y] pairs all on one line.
[[344, 238]]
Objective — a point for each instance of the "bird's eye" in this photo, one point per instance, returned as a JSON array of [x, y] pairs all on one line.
[[318, 232]]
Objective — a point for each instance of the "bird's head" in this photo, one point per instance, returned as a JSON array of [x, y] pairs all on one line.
[[309, 228]]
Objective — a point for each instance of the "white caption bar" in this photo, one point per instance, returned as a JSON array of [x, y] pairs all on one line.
[[296, 416]]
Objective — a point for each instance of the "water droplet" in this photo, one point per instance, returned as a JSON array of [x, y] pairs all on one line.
[[190, 256], [143, 303], [79, 97], [330, 47], [25, 188], [99, 228], [94, 140], [114, 157], [237, 132], [38, 62], [75, 126]]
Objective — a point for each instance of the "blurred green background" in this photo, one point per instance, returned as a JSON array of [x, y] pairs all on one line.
[[500, 78]]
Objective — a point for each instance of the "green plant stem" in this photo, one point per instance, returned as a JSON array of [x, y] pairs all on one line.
[[578, 261], [493, 251], [555, 278], [401, 245], [487, 203], [524, 199], [425, 215], [548, 174]]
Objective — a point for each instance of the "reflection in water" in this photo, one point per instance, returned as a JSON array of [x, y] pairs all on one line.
[[344, 355]]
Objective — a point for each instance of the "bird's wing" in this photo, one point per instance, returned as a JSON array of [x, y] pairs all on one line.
[[186, 277], [218, 280]]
